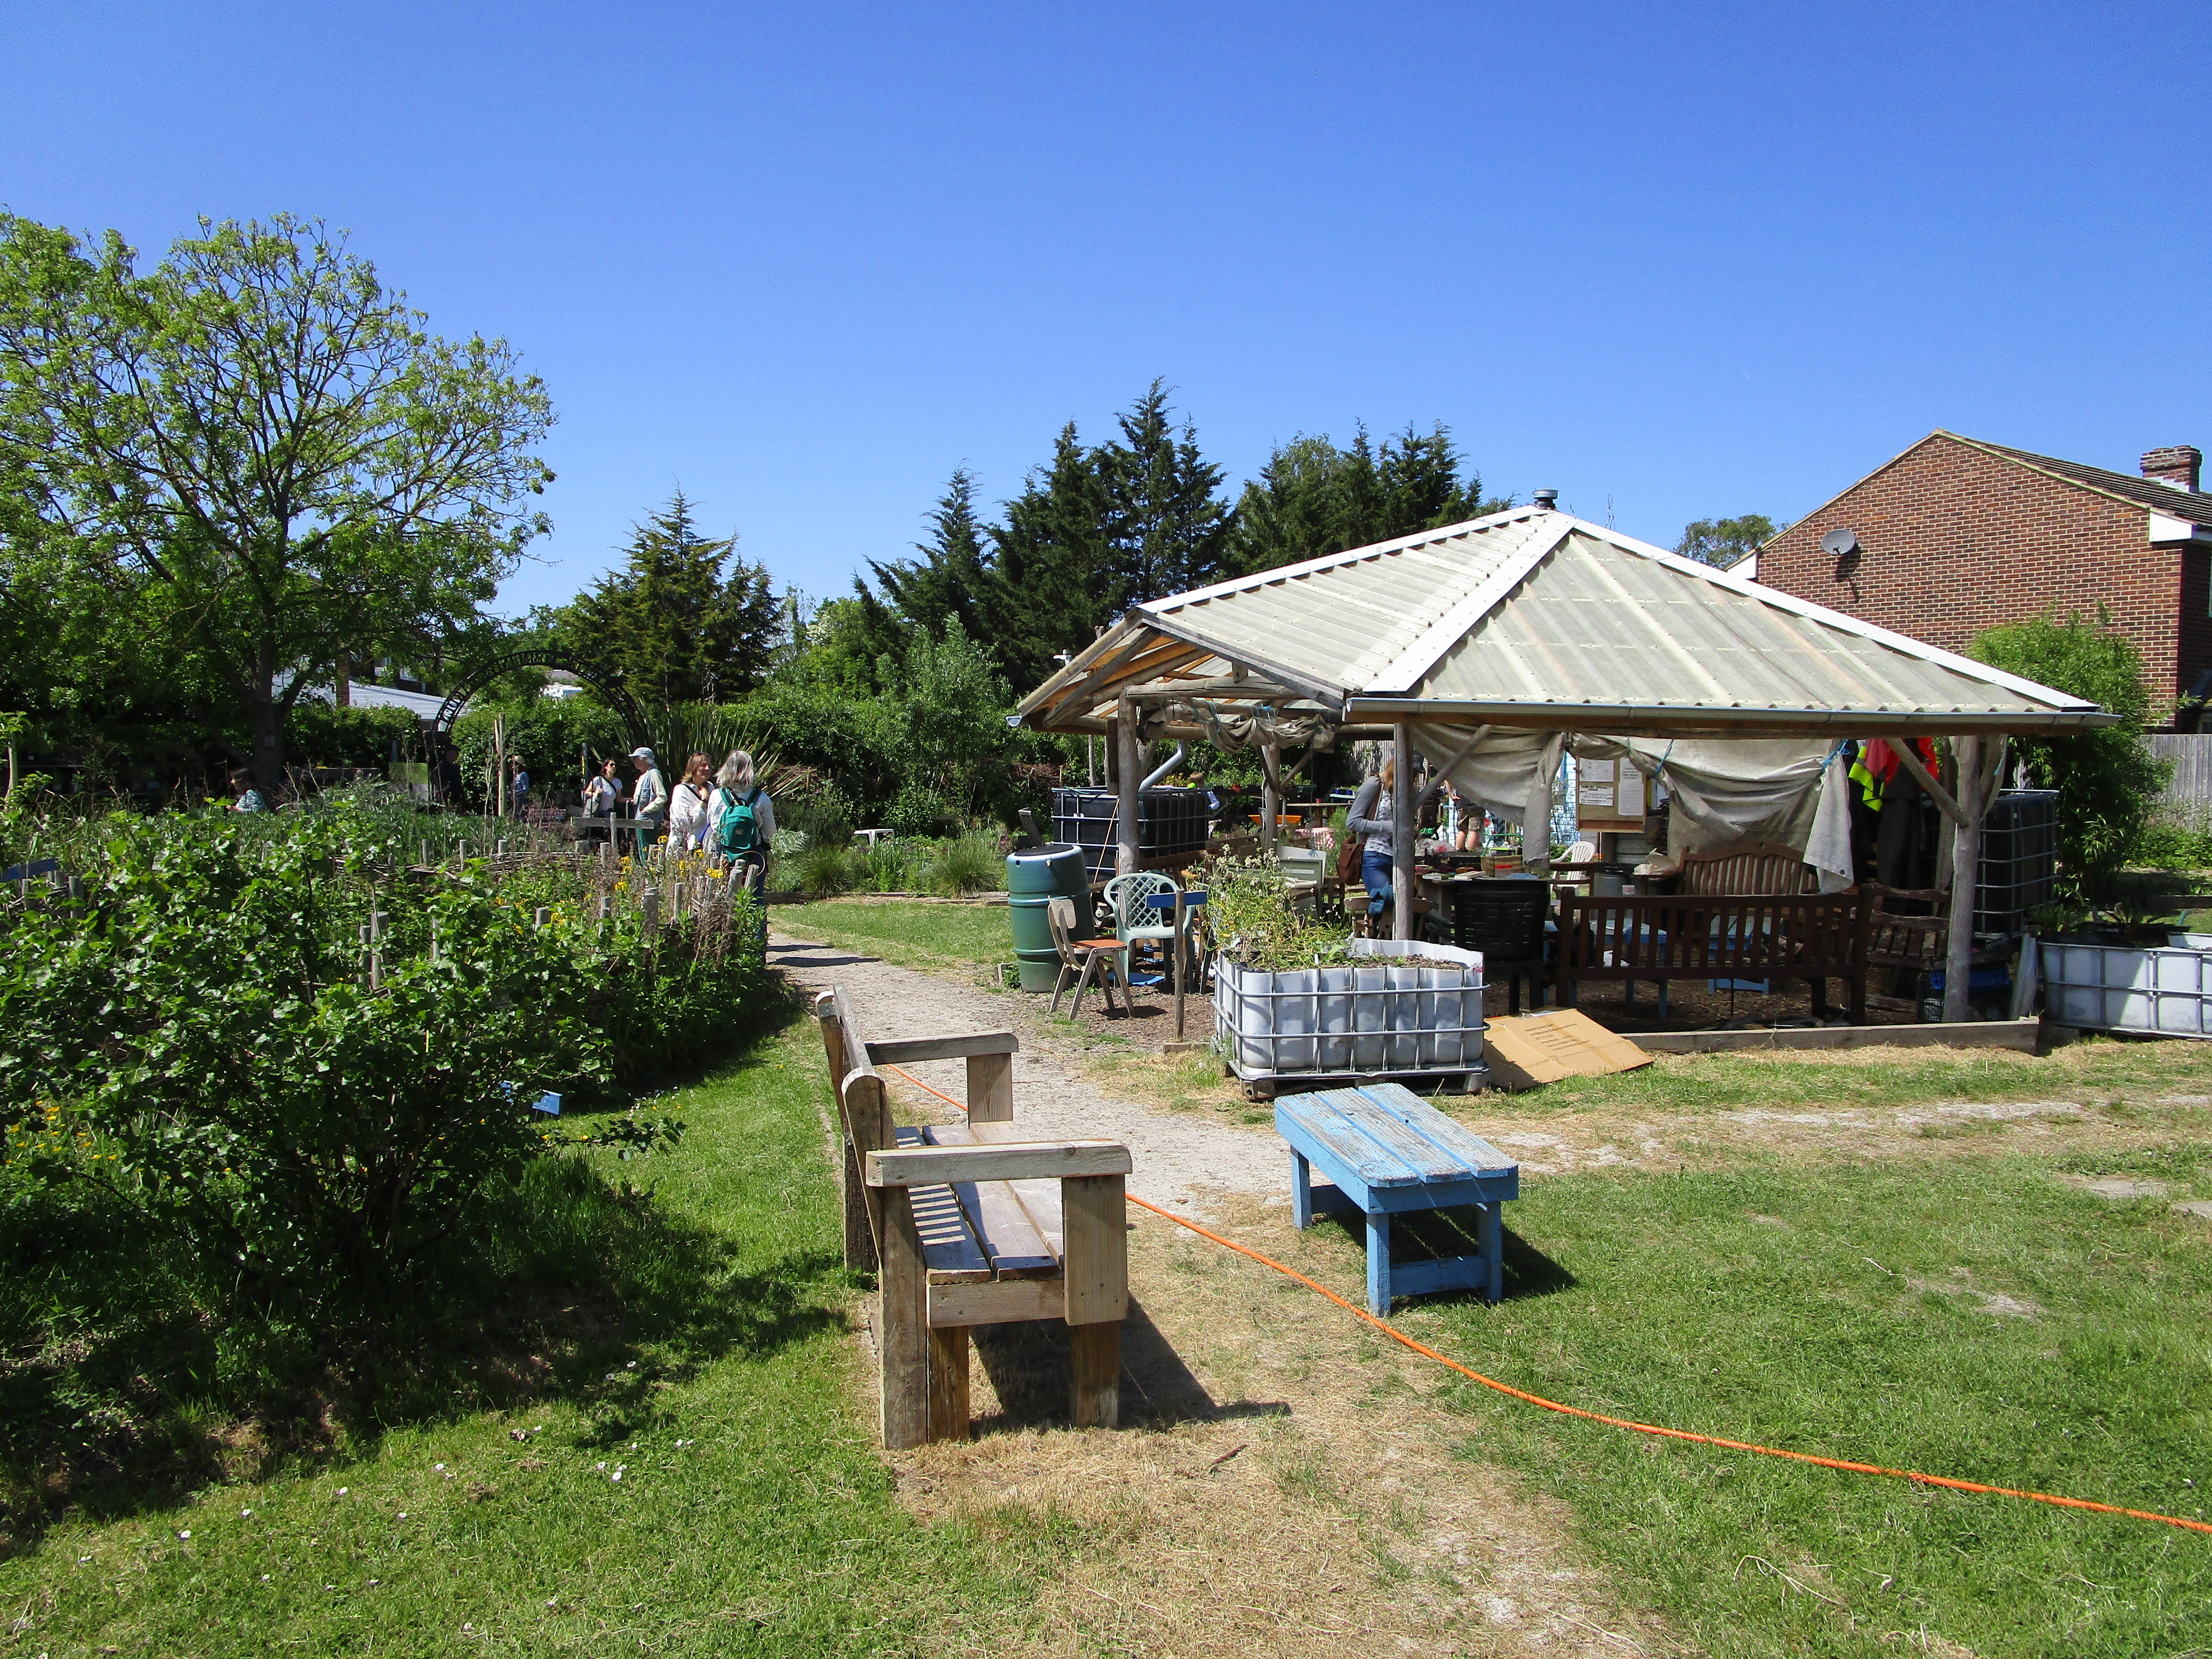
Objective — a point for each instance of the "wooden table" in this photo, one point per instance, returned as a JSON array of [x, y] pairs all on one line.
[[1387, 1151]]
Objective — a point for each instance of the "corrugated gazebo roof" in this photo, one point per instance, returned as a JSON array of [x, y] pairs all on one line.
[[1534, 618]]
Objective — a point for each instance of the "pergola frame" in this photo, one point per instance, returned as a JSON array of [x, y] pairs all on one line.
[[1156, 654]]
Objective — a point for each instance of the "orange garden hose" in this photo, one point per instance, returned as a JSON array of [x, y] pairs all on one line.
[[1427, 1352]]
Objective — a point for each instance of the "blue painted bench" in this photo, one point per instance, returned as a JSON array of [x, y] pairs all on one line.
[[1387, 1151]]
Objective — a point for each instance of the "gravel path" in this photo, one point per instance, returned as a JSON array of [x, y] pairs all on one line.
[[1179, 1157]]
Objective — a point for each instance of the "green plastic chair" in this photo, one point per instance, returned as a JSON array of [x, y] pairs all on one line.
[[1134, 924]]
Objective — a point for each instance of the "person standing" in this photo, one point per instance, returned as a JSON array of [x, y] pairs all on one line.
[[602, 796], [1371, 819], [687, 806], [648, 802], [743, 824], [518, 789]]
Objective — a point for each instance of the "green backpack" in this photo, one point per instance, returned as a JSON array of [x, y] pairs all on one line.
[[736, 832]]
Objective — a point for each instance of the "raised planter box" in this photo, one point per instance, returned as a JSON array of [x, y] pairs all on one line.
[[1374, 1018], [2164, 990]]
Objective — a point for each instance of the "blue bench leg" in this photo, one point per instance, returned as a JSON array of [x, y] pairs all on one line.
[[1301, 1191], [1494, 1248], [1378, 1264]]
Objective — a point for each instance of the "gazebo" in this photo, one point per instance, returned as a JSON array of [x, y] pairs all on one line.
[[1495, 646]]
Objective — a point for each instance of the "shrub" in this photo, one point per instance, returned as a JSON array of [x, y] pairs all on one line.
[[202, 1039], [972, 864], [918, 810], [1249, 910], [205, 1043], [825, 869], [2107, 780]]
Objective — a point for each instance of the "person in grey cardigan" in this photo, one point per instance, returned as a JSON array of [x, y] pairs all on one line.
[[1370, 818]]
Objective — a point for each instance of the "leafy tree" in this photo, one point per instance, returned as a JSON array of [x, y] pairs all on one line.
[[1312, 499], [671, 624], [2108, 781], [1723, 541], [256, 451]]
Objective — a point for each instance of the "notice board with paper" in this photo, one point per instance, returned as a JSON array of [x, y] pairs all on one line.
[[1608, 795]]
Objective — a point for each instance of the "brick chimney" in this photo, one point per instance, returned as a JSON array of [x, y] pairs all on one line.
[[2177, 465]]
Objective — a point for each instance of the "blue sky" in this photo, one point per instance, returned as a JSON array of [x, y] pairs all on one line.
[[1676, 261]]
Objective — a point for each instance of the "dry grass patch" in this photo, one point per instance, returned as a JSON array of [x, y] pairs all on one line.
[[1285, 1485]]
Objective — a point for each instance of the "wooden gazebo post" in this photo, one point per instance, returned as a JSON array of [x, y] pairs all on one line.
[[1965, 878], [1127, 801], [1271, 804]]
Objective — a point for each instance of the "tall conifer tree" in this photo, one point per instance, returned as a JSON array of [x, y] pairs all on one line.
[[948, 582], [671, 624], [1312, 498]]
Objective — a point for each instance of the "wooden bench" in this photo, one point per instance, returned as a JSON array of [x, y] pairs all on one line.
[[1801, 936], [1388, 1152], [1751, 868], [968, 1224]]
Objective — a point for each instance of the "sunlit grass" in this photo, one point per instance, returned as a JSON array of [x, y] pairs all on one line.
[[965, 937], [1976, 1317]]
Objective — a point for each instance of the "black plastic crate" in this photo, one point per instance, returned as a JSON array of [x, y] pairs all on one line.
[[2019, 863], [1169, 820]]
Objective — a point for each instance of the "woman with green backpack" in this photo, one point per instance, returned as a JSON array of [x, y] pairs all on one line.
[[741, 822]]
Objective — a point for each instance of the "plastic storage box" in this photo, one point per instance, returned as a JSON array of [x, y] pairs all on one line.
[[1376, 1017], [1169, 820], [2019, 860], [2164, 989]]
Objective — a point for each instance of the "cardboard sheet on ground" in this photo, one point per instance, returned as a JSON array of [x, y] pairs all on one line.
[[1562, 1042]]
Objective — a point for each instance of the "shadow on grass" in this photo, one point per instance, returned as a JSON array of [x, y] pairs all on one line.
[[1027, 1365], [1429, 1235]]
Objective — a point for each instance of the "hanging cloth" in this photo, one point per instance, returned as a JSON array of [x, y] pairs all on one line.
[[1829, 848]]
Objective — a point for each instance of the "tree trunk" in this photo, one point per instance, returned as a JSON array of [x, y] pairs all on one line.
[[267, 760]]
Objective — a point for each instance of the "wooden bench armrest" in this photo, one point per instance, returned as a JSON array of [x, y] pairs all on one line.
[[1012, 1160], [904, 1051]]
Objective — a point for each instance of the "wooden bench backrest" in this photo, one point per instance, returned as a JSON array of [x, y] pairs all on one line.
[[1755, 867], [1899, 939], [1727, 937]]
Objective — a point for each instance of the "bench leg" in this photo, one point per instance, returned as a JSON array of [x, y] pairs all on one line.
[[1493, 1247], [1301, 1191], [1094, 1374], [948, 1383], [1663, 984], [903, 1326], [859, 1237], [1378, 1264]]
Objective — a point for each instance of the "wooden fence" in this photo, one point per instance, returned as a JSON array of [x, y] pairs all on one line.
[[2188, 799]]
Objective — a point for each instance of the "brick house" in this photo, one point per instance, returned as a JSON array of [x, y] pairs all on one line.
[[1956, 535]]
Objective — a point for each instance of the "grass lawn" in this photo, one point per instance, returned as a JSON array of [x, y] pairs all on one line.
[[969, 936], [706, 1492], [1976, 1317], [2085, 1072]]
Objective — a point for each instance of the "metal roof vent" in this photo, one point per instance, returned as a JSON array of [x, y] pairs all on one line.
[[1548, 500]]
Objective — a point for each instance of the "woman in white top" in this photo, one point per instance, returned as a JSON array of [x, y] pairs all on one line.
[[687, 807]]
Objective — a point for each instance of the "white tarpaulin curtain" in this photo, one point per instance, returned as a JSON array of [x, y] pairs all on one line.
[[1725, 790]]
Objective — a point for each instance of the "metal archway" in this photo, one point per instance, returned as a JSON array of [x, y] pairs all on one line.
[[484, 674]]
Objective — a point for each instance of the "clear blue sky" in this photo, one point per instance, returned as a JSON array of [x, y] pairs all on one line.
[[1677, 261]]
